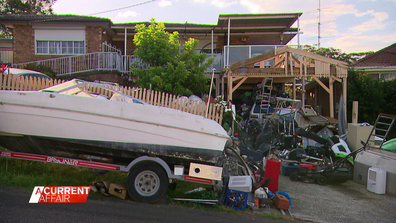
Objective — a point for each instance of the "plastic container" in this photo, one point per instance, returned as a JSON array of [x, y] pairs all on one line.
[[237, 199], [376, 180], [241, 183], [288, 168], [260, 193]]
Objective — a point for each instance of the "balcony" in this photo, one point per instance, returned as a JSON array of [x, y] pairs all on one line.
[[240, 53]]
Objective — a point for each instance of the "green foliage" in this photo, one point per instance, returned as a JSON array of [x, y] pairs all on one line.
[[168, 69], [375, 96], [17, 7], [40, 7], [337, 54], [40, 68]]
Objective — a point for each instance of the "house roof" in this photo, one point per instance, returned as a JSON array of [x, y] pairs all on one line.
[[239, 24], [275, 28], [383, 58], [267, 26], [31, 19]]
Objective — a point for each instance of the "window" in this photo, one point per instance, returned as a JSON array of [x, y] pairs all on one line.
[[42, 48], [67, 47], [78, 47], [60, 47]]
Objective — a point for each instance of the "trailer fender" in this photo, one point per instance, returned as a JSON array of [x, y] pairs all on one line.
[[151, 159]]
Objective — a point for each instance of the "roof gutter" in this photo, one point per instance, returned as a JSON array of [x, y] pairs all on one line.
[[376, 69]]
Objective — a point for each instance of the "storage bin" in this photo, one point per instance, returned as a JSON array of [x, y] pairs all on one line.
[[241, 183], [288, 167], [237, 199]]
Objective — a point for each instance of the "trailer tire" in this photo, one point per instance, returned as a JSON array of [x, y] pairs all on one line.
[[147, 183]]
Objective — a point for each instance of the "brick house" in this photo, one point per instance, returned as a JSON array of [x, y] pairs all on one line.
[[39, 37]]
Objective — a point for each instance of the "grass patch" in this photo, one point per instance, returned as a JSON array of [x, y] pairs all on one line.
[[28, 174]]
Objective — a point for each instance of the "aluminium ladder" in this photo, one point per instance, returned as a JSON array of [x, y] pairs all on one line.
[[381, 128], [266, 92]]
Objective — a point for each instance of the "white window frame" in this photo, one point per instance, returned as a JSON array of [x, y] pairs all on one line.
[[51, 47], [59, 40]]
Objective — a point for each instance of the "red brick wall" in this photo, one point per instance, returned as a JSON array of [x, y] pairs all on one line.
[[23, 43], [93, 39]]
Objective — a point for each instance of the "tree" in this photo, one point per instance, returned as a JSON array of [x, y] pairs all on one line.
[[40, 7], [375, 96], [20, 7], [337, 54], [168, 69]]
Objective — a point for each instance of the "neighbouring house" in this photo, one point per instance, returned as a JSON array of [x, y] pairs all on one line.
[[248, 48], [381, 64]]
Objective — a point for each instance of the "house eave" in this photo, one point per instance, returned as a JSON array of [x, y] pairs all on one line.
[[376, 69]]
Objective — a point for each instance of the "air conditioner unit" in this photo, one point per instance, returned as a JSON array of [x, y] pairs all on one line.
[[376, 180]]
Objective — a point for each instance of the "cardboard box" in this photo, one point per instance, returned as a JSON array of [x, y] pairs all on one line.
[[357, 133], [281, 202], [118, 190]]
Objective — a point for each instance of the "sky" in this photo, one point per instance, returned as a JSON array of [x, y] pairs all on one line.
[[348, 25]]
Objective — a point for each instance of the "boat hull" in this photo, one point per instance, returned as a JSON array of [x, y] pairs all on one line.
[[112, 152], [72, 126]]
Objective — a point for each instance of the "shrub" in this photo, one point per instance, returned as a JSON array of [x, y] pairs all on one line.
[[40, 68]]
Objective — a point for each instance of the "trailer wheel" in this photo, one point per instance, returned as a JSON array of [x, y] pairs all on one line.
[[147, 183], [322, 180]]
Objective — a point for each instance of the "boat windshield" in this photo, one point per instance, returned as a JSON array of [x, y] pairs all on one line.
[[92, 90]]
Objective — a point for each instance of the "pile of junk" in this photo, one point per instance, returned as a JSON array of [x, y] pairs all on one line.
[[311, 148]]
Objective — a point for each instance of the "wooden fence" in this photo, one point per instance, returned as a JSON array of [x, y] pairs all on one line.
[[157, 98]]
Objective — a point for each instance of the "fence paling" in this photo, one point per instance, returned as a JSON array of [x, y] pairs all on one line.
[[150, 96]]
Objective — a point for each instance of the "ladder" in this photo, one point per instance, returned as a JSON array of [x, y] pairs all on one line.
[[265, 102], [381, 128]]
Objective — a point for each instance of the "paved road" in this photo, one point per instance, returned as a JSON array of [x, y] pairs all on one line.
[[14, 207]]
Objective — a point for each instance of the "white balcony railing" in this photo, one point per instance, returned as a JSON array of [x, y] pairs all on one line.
[[84, 62], [113, 60], [233, 54]]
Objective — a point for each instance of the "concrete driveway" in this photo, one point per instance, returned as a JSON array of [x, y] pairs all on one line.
[[346, 202]]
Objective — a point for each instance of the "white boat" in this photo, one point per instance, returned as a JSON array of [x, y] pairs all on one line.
[[69, 120]]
